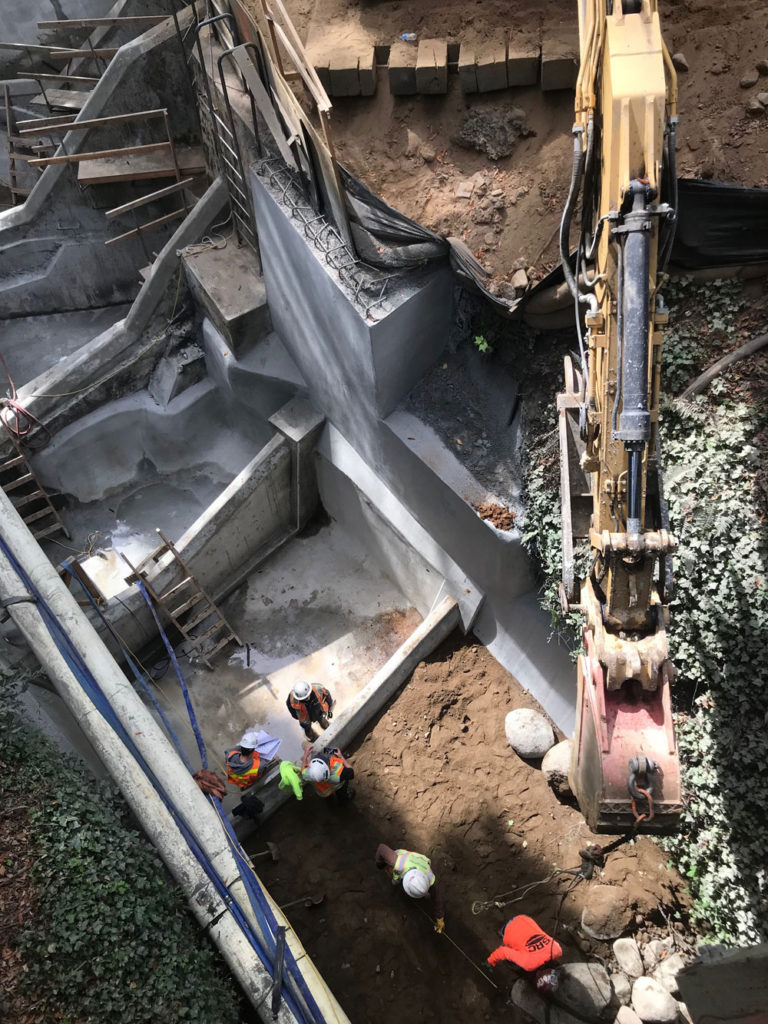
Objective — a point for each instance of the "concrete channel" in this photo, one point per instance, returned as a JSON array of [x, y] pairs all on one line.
[[267, 433]]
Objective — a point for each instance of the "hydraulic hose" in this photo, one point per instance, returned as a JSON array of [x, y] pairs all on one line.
[[577, 171]]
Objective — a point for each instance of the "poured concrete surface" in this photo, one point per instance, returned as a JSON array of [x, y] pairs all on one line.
[[319, 610], [33, 344]]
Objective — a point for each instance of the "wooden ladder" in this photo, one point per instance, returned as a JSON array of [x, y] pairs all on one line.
[[185, 603], [20, 150], [18, 480]]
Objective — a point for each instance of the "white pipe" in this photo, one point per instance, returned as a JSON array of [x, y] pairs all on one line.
[[190, 804]]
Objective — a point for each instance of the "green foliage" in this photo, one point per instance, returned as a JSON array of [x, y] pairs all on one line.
[[112, 939], [482, 345], [712, 459]]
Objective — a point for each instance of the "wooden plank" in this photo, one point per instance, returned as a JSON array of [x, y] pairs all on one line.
[[150, 197], [44, 122], [30, 47], [56, 78], [299, 58], [104, 52], [158, 222], [68, 125], [146, 21], [263, 101], [65, 52], [142, 166], [64, 99], [99, 154]]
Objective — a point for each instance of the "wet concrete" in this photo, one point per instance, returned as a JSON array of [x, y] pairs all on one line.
[[33, 344], [320, 610]]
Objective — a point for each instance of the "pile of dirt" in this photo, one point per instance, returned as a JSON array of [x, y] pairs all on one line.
[[434, 773], [717, 136], [502, 517], [493, 132]]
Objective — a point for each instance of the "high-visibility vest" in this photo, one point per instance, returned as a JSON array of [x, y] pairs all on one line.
[[242, 772], [300, 706], [407, 860], [332, 783]]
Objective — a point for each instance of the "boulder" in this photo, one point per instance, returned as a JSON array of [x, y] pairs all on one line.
[[652, 1003], [528, 733], [667, 971], [679, 61], [626, 1015], [586, 990], [556, 765], [653, 951], [755, 108], [762, 97], [606, 913], [761, 66], [622, 987], [749, 79], [628, 957], [533, 1005]]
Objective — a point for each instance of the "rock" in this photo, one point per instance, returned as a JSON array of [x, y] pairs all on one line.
[[627, 1015], [556, 765], [678, 59], [755, 108], [520, 283], [667, 971], [413, 143], [585, 989], [628, 957], [464, 189], [606, 913], [652, 953], [682, 1009], [762, 97], [622, 986], [527, 999], [528, 732], [762, 67], [749, 79], [652, 1003]]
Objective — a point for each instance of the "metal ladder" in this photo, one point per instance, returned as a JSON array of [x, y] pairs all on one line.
[[194, 604], [18, 480]]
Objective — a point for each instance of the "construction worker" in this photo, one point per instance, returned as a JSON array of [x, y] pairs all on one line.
[[414, 870], [244, 763], [309, 703], [527, 946], [330, 773]]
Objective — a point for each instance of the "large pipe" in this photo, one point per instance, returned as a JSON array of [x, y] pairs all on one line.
[[189, 803]]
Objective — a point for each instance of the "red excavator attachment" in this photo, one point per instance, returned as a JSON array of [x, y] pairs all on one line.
[[624, 766]]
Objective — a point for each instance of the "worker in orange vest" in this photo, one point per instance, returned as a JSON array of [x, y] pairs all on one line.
[[330, 773], [309, 703], [244, 764]]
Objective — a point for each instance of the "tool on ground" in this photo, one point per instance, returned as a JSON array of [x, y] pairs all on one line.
[[272, 851], [308, 901], [612, 498]]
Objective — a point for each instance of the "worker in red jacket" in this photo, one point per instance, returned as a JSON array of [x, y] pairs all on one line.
[[414, 870], [309, 703], [526, 945]]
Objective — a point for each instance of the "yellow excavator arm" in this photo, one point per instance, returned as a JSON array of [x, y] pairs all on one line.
[[624, 770]]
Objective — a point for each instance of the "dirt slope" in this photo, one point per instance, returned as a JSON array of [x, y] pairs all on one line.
[[434, 773]]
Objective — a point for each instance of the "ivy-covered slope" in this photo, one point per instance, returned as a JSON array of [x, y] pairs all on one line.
[[715, 467], [103, 932]]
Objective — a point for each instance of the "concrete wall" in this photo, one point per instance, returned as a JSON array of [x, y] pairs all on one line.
[[52, 252]]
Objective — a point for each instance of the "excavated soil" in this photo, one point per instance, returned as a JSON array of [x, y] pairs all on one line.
[[507, 210], [434, 773]]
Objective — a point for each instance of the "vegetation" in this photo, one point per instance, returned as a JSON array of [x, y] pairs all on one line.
[[714, 456], [106, 935]]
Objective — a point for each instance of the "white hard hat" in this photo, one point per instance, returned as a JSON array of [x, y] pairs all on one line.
[[249, 738], [301, 691], [416, 883], [318, 770]]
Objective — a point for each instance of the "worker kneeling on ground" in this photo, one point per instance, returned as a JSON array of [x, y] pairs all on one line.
[[527, 946], [309, 704], [245, 766], [414, 870], [330, 773]]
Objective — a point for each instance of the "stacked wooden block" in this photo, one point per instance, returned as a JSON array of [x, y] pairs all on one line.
[[347, 72]]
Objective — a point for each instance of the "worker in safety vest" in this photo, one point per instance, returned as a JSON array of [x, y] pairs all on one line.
[[414, 870], [309, 703], [244, 763], [330, 773]]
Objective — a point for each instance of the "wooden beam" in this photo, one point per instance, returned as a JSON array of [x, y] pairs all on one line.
[[66, 53], [141, 167], [64, 99], [177, 186], [68, 125], [98, 154], [44, 122], [301, 62], [176, 215], [142, 21], [56, 78]]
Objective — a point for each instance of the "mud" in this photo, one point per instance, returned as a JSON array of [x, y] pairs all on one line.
[[434, 773]]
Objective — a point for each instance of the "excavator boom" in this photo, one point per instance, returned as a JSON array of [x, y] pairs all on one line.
[[625, 769]]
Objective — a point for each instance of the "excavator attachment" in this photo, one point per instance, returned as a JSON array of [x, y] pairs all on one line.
[[624, 770]]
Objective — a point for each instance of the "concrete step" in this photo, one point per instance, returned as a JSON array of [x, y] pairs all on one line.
[[227, 283]]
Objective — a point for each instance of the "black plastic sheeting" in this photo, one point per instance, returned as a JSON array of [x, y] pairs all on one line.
[[719, 225]]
